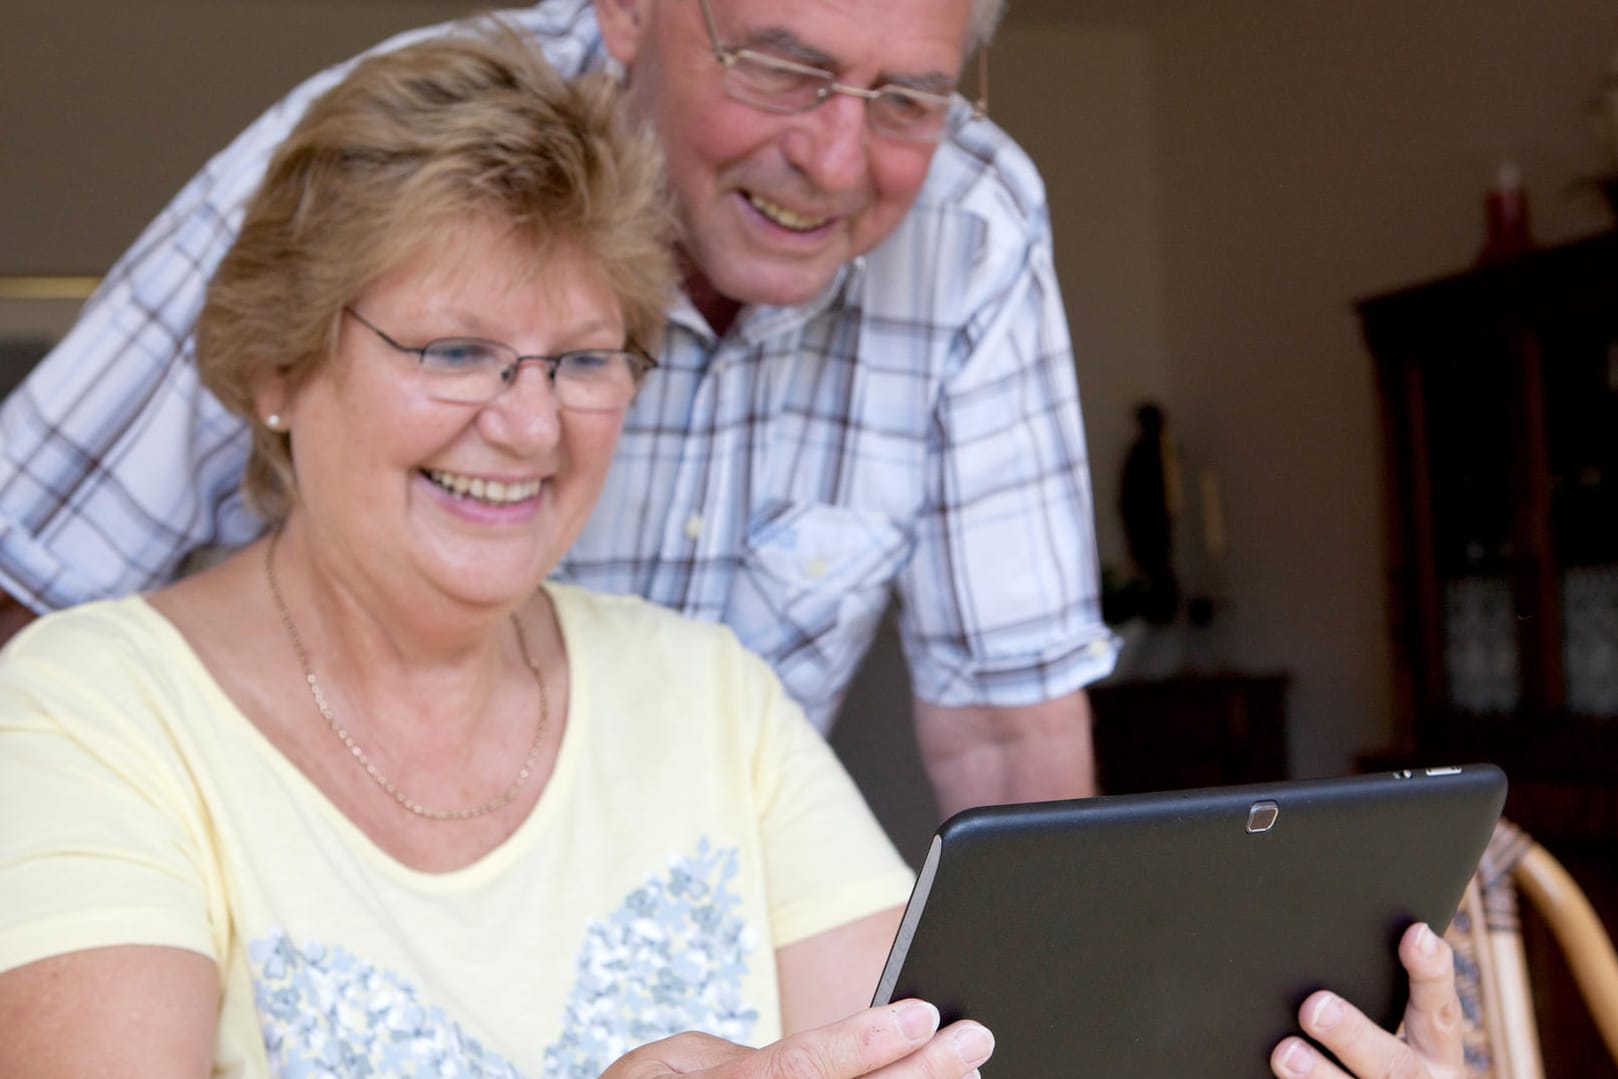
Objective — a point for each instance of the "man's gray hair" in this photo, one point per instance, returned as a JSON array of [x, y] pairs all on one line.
[[986, 16]]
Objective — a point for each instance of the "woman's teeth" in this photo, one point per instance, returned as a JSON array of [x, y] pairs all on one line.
[[492, 491], [785, 217]]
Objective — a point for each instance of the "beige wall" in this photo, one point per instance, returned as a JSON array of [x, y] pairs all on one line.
[[1308, 154], [1079, 98], [111, 105]]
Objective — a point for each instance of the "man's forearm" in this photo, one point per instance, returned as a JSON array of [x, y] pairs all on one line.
[[991, 756]]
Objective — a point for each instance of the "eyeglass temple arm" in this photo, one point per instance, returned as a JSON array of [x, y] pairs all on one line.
[[719, 53], [980, 107]]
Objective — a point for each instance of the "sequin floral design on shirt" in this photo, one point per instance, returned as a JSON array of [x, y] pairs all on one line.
[[672, 957], [326, 1012]]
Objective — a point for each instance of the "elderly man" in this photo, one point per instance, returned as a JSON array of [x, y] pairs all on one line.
[[865, 388]]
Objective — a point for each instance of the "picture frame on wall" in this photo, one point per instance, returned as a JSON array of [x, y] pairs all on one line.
[[35, 311]]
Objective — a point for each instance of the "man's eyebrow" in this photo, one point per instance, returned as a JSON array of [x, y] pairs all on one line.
[[782, 42], [789, 46], [932, 82]]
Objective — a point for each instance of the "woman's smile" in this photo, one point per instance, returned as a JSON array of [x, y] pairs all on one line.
[[491, 491]]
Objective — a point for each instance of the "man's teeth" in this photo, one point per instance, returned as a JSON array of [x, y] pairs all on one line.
[[484, 490], [785, 217]]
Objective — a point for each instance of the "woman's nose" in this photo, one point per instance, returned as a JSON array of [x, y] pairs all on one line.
[[526, 415]]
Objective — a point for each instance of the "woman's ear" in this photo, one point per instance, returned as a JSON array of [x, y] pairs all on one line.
[[623, 27], [271, 396]]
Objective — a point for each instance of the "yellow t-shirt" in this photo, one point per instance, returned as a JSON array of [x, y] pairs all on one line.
[[693, 824]]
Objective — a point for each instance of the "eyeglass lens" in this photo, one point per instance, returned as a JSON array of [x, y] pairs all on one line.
[[772, 84], [469, 371], [779, 85]]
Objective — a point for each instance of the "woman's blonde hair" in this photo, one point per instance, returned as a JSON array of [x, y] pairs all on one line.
[[407, 149]]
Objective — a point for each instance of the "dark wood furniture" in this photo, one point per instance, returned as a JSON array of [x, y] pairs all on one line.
[[1499, 402], [1499, 393], [1190, 730]]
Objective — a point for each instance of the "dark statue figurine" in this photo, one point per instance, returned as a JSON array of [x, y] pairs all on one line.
[[1153, 593]]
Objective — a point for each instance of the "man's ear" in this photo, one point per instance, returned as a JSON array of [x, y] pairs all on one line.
[[623, 26]]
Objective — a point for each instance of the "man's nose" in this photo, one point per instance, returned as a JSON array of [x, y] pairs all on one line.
[[834, 144]]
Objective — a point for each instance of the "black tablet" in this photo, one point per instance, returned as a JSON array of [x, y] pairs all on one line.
[[1175, 934]]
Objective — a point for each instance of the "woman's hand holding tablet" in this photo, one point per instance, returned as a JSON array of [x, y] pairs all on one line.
[[1432, 1025]]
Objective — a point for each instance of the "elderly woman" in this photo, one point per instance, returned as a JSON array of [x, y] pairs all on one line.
[[370, 798], [365, 798]]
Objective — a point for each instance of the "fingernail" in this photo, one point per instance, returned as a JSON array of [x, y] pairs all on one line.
[[973, 1044], [1298, 1058], [1426, 942], [917, 1019], [1327, 1014]]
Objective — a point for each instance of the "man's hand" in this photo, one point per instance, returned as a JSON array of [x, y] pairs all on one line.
[[1430, 1048], [894, 1041]]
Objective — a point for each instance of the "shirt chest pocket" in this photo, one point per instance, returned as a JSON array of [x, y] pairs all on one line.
[[813, 584]]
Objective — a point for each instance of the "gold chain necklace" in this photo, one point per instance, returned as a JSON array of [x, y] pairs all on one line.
[[497, 802]]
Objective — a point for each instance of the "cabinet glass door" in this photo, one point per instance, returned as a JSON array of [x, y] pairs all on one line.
[[1469, 405], [1581, 402]]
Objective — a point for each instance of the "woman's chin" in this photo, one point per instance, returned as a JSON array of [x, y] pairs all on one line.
[[486, 574], [484, 592], [497, 543]]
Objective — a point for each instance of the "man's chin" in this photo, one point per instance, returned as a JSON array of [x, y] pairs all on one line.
[[773, 287], [775, 280]]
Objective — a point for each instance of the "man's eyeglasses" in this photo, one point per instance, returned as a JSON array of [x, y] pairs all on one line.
[[777, 85], [473, 371]]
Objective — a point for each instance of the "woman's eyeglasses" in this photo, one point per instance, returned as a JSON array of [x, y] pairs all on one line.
[[474, 371]]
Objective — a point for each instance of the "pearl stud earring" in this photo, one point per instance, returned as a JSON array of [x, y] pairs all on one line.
[[273, 421]]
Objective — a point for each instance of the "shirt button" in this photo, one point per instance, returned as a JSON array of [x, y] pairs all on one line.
[[693, 526], [816, 568]]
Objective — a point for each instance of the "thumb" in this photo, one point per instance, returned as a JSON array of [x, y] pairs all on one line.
[[683, 1054], [859, 1045]]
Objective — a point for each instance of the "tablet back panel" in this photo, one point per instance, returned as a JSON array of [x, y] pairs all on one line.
[[1158, 935]]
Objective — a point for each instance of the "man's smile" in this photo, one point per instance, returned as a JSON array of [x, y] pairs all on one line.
[[787, 219]]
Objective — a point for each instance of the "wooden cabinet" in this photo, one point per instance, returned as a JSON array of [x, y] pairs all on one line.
[[1499, 404], [1499, 393]]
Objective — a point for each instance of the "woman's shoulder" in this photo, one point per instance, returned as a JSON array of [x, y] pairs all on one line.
[[88, 632], [631, 620], [106, 649], [104, 668], [652, 640]]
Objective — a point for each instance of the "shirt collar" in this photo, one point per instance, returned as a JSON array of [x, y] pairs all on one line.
[[757, 323]]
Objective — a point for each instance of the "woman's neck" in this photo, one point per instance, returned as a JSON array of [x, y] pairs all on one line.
[[450, 719]]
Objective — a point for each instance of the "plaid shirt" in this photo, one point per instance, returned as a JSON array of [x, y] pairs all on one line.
[[915, 427]]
